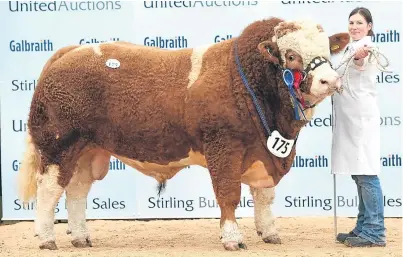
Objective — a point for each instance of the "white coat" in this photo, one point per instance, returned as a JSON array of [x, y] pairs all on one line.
[[356, 119]]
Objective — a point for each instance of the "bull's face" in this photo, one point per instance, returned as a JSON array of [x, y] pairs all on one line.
[[305, 49]]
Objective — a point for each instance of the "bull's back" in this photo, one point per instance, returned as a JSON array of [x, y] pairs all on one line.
[[134, 108]]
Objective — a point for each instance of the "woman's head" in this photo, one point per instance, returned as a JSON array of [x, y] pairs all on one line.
[[360, 23]]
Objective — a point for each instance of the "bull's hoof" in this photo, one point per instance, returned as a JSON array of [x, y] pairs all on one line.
[[273, 239], [234, 246], [80, 243], [68, 231], [49, 245]]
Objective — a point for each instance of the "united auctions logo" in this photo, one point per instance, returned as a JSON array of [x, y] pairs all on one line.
[[195, 4], [57, 6]]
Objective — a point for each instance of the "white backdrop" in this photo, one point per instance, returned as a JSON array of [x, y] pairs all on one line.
[[125, 193]]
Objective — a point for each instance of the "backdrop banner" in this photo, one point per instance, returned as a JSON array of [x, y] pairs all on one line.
[[34, 30]]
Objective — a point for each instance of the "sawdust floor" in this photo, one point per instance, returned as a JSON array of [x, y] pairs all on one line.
[[310, 237]]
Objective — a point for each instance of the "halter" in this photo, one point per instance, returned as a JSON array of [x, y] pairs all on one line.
[[293, 80]]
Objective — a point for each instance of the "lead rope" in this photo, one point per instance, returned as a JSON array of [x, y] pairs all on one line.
[[373, 53]]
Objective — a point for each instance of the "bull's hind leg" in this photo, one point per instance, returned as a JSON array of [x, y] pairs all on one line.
[[48, 194], [59, 170], [92, 166], [76, 198], [224, 166], [264, 220]]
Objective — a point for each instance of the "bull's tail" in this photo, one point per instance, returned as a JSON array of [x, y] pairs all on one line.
[[161, 187], [29, 168]]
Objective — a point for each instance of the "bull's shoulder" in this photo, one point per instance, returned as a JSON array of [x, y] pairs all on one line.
[[210, 65], [217, 55]]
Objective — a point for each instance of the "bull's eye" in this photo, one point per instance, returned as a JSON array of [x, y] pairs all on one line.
[[291, 57]]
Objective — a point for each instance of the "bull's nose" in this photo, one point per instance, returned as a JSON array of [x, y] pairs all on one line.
[[331, 82]]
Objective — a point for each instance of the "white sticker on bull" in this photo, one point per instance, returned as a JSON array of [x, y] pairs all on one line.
[[113, 63], [278, 145]]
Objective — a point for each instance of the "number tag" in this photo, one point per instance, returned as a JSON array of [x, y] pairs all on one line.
[[112, 63], [278, 145]]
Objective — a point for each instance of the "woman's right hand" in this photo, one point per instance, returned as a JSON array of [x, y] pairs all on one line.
[[362, 52]]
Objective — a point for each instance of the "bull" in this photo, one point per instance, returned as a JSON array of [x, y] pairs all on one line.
[[235, 107]]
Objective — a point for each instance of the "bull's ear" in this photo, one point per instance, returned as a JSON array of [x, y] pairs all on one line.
[[338, 42], [269, 50]]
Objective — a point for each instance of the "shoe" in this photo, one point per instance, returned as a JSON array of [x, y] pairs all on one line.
[[360, 242], [341, 237]]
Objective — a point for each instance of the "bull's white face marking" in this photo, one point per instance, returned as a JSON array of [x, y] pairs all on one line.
[[309, 43], [324, 73], [49, 192], [264, 219], [230, 232], [197, 61]]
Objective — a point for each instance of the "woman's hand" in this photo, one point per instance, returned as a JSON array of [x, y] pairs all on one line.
[[362, 52]]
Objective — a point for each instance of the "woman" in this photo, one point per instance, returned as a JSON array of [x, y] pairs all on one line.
[[356, 134]]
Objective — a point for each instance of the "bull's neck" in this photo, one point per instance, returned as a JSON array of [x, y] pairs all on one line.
[[263, 88]]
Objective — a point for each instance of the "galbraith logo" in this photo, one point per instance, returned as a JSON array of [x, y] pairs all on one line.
[[319, 161], [196, 4], [60, 6], [85, 41], [31, 46], [389, 36], [114, 165], [220, 38], [392, 160], [173, 42]]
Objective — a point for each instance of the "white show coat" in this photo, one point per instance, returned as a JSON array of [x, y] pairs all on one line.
[[356, 120]]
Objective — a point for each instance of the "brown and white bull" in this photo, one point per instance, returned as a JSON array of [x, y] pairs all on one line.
[[162, 110]]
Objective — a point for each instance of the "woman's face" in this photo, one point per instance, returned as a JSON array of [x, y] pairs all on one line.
[[358, 27]]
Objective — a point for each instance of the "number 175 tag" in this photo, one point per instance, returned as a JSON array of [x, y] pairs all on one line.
[[278, 145]]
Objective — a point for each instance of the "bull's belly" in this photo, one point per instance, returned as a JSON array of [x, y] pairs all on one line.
[[255, 176], [166, 171]]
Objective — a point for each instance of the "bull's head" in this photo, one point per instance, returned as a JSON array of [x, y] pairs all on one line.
[[305, 49]]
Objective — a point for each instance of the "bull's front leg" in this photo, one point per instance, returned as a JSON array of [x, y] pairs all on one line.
[[264, 220], [224, 165], [228, 194]]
